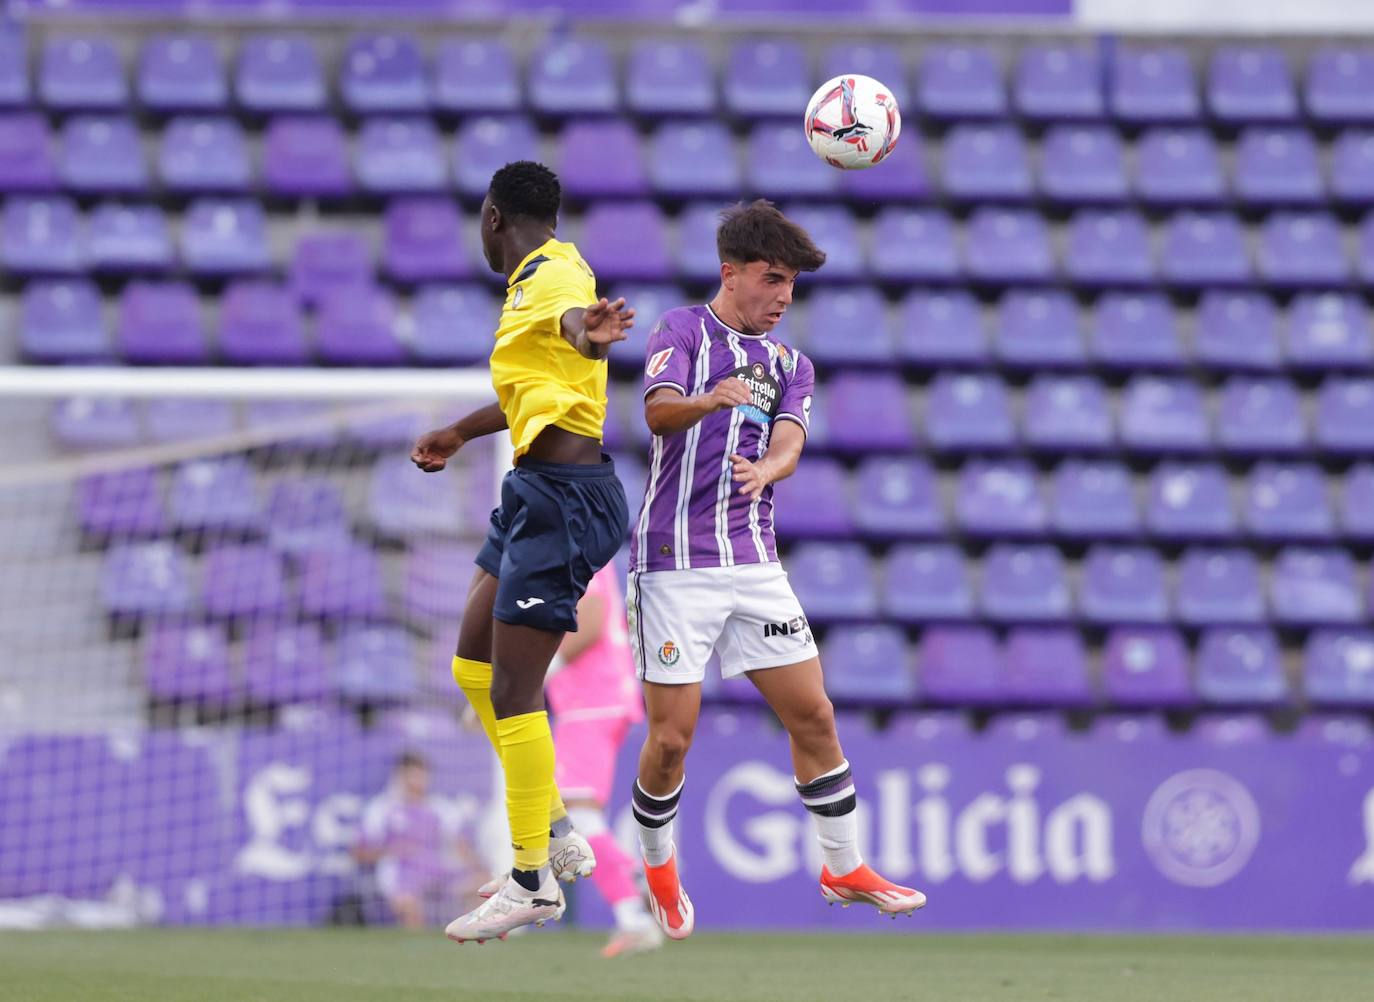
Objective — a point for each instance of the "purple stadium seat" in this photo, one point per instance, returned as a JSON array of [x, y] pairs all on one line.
[[626, 241], [961, 665], [41, 235], [1153, 84], [1299, 249], [400, 156], [1352, 167], [968, 412], [1219, 586], [146, 579], [1289, 501], [1058, 82], [306, 513], [176, 419], [128, 238], [474, 75], [1339, 730], [279, 73], [482, 145], [940, 328], [1251, 84], [1047, 666], [61, 322], [834, 231], [27, 161], [1136, 331], [868, 666], [260, 324], [1039, 329], [1313, 587], [869, 413], [904, 178], [1343, 419], [1123, 584], [160, 323], [14, 69], [182, 73], [1066, 412], [1146, 666], [696, 259], [102, 154], [358, 327], [1025, 584], [650, 301], [896, 497], [983, 162], [1329, 331], [82, 424], [124, 504], [848, 328], [215, 496], [669, 77], [834, 582], [327, 261], [1237, 330], [881, 62], [573, 76], [1163, 415], [913, 245], [958, 81], [1007, 245], [1190, 501], [1203, 248], [375, 664], [1277, 166], [204, 154], [285, 663], [778, 161], [342, 581], [1093, 500], [423, 241], [766, 77], [1178, 166], [188, 664], [306, 158], [1357, 502], [1108, 247], [1000, 498], [693, 160], [1338, 667], [926, 583], [244, 580], [815, 502], [1082, 163], [225, 237], [454, 324], [384, 74], [434, 575], [1240, 667], [601, 158], [403, 502], [81, 73], [1338, 84], [1260, 415]]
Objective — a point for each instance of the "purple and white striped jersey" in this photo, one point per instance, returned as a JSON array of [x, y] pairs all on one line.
[[693, 514]]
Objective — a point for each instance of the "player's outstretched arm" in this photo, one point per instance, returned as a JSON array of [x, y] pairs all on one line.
[[435, 448], [667, 411], [778, 463], [592, 330]]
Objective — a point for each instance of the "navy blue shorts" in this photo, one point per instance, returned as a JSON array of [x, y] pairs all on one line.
[[558, 524]]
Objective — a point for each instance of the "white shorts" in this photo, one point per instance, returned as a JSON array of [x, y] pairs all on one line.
[[747, 614]]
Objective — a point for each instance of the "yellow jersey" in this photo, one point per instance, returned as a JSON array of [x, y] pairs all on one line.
[[541, 379]]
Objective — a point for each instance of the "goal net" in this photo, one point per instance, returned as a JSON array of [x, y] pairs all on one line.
[[229, 608]]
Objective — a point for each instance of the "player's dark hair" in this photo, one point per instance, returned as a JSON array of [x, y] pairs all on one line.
[[759, 232], [526, 188], [411, 760]]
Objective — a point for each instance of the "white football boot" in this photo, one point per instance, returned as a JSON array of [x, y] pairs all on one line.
[[508, 909]]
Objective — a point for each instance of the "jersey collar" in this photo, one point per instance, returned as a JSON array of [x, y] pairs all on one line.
[[540, 251], [751, 337]]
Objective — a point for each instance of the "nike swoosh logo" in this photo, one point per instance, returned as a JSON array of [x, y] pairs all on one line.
[[528, 603]]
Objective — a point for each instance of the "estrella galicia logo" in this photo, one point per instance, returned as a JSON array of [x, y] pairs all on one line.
[[669, 654], [1200, 828], [765, 393]]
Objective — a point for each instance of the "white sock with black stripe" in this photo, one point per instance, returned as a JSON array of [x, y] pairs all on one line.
[[654, 816], [832, 802]]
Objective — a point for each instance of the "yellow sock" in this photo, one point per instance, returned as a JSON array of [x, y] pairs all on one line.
[[527, 754], [557, 809]]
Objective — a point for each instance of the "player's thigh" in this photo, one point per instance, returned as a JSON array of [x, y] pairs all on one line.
[[796, 693], [675, 619], [671, 711], [474, 631], [767, 627]]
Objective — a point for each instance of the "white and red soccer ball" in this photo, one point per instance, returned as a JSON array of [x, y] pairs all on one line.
[[852, 122]]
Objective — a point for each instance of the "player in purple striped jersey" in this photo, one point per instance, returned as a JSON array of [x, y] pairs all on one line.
[[729, 405]]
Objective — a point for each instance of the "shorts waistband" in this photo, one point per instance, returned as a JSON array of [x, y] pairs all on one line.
[[569, 471]]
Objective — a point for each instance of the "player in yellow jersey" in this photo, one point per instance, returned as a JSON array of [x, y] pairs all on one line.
[[561, 519]]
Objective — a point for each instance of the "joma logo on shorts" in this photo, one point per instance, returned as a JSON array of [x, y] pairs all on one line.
[[790, 628]]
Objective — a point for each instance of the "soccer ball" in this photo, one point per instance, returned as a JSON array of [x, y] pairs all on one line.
[[852, 122]]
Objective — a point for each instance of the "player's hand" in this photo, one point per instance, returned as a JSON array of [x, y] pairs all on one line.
[[751, 476], [606, 322], [435, 448], [729, 393]]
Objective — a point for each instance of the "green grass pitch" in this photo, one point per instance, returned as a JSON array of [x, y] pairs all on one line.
[[355, 965]]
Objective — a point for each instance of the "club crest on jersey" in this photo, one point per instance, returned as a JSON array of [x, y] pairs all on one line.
[[519, 295], [785, 357], [658, 361], [669, 653]]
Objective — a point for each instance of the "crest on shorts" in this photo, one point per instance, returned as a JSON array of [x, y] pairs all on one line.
[[669, 653], [658, 361]]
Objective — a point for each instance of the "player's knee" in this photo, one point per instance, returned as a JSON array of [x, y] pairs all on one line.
[[815, 722], [668, 746]]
